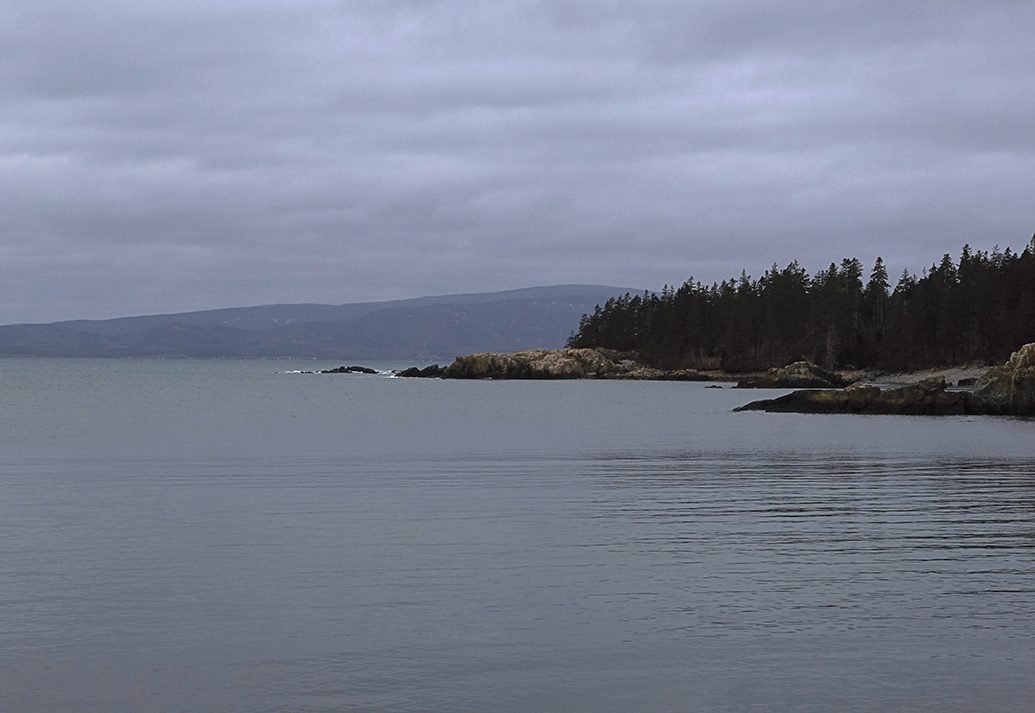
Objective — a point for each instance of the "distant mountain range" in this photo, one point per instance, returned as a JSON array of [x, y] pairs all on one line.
[[421, 329]]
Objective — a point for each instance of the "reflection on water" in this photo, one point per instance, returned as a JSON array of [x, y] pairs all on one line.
[[614, 581], [831, 544]]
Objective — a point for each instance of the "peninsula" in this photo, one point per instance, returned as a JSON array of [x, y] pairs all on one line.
[[1008, 389]]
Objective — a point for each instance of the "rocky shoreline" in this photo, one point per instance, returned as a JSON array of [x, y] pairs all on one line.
[[610, 364], [555, 364], [1003, 390], [798, 375], [1007, 390]]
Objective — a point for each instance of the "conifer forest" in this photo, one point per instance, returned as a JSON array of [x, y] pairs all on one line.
[[976, 309]]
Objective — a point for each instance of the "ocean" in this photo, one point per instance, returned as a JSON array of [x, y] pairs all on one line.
[[192, 535]]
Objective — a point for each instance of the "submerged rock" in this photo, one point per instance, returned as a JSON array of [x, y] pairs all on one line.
[[798, 375]]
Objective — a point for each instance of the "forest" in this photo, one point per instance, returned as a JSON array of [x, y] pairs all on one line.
[[977, 309]]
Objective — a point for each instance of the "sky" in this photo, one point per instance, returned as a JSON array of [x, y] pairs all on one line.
[[167, 155]]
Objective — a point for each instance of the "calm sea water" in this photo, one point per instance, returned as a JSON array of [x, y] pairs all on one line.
[[218, 536]]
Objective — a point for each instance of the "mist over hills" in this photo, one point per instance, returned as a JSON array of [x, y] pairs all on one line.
[[424, 328]]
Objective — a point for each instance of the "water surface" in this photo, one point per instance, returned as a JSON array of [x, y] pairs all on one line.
[[218, 536]]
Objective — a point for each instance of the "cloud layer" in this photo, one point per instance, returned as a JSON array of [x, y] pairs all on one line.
[[160, 155]]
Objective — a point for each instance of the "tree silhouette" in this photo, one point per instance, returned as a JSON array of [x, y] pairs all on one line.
[[980, 309]]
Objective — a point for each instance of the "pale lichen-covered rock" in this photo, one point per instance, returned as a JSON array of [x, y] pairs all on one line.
[[798, 375], [527, 364], [559, 364], [1010, 388], [531, 364]]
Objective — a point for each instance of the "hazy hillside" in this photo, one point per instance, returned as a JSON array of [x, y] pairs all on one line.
[[424, 328]]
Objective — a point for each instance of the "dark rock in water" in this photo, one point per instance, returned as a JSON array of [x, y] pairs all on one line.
[[967, 382], [799, 375], [925, 398], [713, 386], [349, 370], [427, 372]]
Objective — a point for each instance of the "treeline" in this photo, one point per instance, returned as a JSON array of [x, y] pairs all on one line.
[[977, 309]]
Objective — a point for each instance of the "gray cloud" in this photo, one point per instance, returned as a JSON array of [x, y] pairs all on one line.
[[177, 155]]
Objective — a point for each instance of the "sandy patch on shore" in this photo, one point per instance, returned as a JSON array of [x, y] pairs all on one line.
[[951, 374]]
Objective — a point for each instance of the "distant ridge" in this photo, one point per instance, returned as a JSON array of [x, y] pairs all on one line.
[[421, 328]]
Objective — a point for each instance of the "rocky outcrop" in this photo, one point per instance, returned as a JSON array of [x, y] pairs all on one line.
[[799, 375], [925, 398], [349, 370], [1007, 390], [559, 364], [1010, 388], [539, 364], [417, 373]]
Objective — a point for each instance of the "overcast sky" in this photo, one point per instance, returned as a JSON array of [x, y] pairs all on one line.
[[163, 155]]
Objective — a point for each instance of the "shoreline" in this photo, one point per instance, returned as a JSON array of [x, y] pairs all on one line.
[[952, 375], [569, 363], [1005, 390]]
